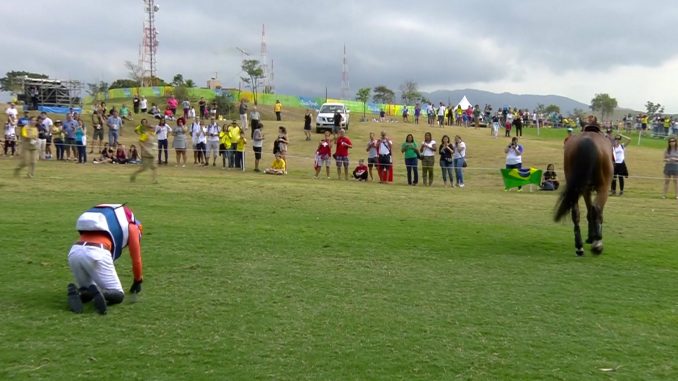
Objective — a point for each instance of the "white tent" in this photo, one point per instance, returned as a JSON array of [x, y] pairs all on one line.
[[464, 103]]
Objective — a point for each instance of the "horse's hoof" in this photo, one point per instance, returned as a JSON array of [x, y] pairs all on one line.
[[580, 252], [597, 247]]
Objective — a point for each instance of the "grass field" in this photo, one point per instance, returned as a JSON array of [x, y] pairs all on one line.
[[250, 276]]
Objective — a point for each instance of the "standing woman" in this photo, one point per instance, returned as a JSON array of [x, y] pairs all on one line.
[[620, 170], [81, 140], [384, 151], [372, 156], [411, 155], [179, 142], [307, 124], [459, 160], [428, 152], [58, 137], [671, 166], [446, 151]]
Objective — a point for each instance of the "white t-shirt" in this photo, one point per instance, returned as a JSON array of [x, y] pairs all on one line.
[[428, 148], [12, 112], [213, 133], [441, 111], [10, 130], [514, 156], [372, 153], [618, 152], [257, 140], [162, 131], [459, 151], [143, 104], [47, 123]]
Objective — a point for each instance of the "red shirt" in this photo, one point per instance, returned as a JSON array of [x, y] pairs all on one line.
[[325, 148], [343, 142]]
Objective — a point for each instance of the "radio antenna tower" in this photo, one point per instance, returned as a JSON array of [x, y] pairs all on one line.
[[271, 81], [264, 61], [345, 88], [149, 60]]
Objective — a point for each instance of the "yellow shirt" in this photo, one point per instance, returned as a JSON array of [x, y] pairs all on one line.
[[225, 139], [277, 107], [234, 134], [241, 145], [278, 164]]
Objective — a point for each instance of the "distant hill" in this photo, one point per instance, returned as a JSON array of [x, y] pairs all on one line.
[[528, 101]]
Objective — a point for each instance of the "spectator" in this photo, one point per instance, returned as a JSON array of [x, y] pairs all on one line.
[[147, 146], [341, 153], [107, 155], [257, 144], [428, 151], [495, 126], [10, 137], [550, 179], [12, 112], [337, 122], [172, 104], [620, 170], [179, 142], [518, 124], [277, 167], [191, 113], [235, 134], [406, 114], [133, 155], [360, 171], [225, 147], [81, 143], [124, 112], [162, 131], [459, 157], [282, 143], [441, 117], [120, 155], [242, 110], [240, 149], [671, 166], [169, 114], [44, 128], [69, 127], [450, 116], [200, 136], [143, 105], [411, 156], [195, 131], [186, 106], [155, 111], [202, 107], [212, 142], [372, 155], [255, 117], [446, 151], [135, 103], [417, 114], [114, 128], [385, 159], [29, 148], [514, 156], [307, 124], [58, 139], [476, 115], [213, 110], [323, 154], [97, 130], [277, 108]]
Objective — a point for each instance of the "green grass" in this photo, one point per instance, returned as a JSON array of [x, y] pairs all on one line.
[[260, 277]]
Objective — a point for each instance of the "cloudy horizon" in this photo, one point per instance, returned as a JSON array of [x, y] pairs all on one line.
[[575, 49]]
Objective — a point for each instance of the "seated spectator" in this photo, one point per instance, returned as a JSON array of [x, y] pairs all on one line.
[[133, 155], [106, 156], [120, 155], [169, 114], [550, 179], [277, 167], [360, 172], [155, 111], [124, 112]]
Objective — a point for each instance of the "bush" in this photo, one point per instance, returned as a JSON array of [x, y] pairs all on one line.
[[225, 106]]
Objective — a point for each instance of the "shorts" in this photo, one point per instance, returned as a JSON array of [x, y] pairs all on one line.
[[257, 152], [323, 160], [335, 129], [372, 161], [341, 160], [671, 169], [98, 134]]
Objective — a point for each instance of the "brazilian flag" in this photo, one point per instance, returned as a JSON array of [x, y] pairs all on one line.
[[518, 177]]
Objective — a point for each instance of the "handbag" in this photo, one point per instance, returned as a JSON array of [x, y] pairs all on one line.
[[464, 165]]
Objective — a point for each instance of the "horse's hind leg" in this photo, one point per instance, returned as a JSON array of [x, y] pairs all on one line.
[[578, 244]]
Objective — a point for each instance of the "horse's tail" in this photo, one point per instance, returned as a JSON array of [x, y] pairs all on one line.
[[582, 163]]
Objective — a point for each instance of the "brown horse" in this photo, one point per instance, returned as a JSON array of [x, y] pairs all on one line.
[[588, 168]]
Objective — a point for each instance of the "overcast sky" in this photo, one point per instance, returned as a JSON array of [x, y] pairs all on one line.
[[574, 48]]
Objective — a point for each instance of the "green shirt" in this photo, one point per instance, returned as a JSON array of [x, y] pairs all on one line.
[[409, 150]]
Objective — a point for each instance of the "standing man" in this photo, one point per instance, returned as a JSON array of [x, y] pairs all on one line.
[[135, 103], [257, 145], [114, 123], [242, 109], [202, 106], [11, 112], [255, 118], [70, 125], [105, 230], [441, 115], [518, 124], [234, 136], [212, 142], [278, 110], [341, 153], [162, 131], [337, 122], [29, 148], [97, 130], [44, 130]]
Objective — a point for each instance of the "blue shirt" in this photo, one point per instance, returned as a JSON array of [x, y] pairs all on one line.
[[114, 122], [69, 128]]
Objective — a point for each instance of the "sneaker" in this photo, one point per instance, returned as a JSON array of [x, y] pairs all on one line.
[[98, 299], [74, 302], [461, 185], [621, 193]]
